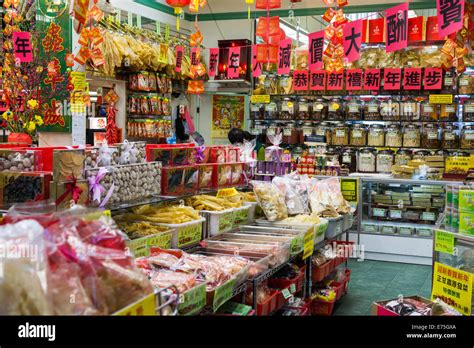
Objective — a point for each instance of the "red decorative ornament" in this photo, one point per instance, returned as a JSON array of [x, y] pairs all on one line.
[[178, 3], [111, 129]]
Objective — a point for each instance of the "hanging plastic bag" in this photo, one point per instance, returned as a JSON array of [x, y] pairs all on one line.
[[293, 198], [268, 4], [275, 152], [271, 200], [268, 26]]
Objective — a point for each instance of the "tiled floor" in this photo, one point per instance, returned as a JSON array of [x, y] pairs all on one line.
[[377, 280]]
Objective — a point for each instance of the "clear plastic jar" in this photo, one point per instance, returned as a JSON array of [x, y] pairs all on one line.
[[385, 161], [354, 110], [448, 112], [468, 111], [335, 110], [340, 135], [319, 110], [393, 136], [307, 130], [324, 130], [390, 110], [285, 85], [271, 111], [430, 136], [256, 111], [303, 109], [450, 137], [287, 109], [349, 160], [271, 85], [428, 112], [412, 136], [409, 110], [372, 110], [420, 154], [403, 157], [258, 127], [290, 135], [376, 136], [467, 138], [367, 160], [358, 135]]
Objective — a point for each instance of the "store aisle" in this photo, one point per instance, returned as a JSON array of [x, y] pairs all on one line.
[[377, 280]]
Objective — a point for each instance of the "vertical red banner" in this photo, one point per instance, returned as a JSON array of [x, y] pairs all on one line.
[[372, 79], [392, 79], [300, 80], [376, 30], [396, 27], [195, 56], [335, 81], [317, 80], [416, 29], [233, 63], [284, 56], [22, 46], [213, 61], [316, 48], [179, 58], [354, 80], [450, 16], [432, 29], [352, 40], [256, 65], [412, 79], [433, 79]]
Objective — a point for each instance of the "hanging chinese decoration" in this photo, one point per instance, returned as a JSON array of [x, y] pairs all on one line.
[[197, 70], [269, 30], [178, 9], [396, 27], [334, 33], [195, 5], [111, 98]]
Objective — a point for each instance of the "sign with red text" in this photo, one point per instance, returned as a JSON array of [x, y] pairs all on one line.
[[354, 80], [316, 48], [317, 80], [450, 16], [352, 40], [412, 79], [256, 66], [233, 63], [335, 81], [179, 58], [284, 56], [22, 46], [392, 79], [433, 79], [300, 80], [195, 56], [396, 27], [372, 79], [213, 61]]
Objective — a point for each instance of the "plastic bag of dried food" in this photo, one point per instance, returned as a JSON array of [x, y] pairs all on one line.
[[271, 200], [23, 270], [294, 193]]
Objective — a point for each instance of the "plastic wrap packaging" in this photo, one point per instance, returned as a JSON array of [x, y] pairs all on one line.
[[326, 198], [295, 193], [23, 263], [271, 200], [275, 152], [132, 153]]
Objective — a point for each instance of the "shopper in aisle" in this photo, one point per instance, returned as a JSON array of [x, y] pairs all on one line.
[[237, 136]]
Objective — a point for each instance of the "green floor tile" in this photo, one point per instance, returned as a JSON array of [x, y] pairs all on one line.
[[402, 281], [389, 266]]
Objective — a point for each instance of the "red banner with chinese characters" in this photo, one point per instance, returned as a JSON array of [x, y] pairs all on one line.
[[354, 80], [335, 81], [412, 79], [233, 63], [213, 61], [300, 80], [317, 80], [396, 27], [316, 48], [415, 29], [392, 79], [179, 58], [284, 56], [450, 16], [352, 40], [377, 30], [372, 79], [256, 65], [22, 46], [433, 79], [432, 29]]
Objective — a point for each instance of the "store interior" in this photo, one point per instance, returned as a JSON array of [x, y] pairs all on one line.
[[244, 158]]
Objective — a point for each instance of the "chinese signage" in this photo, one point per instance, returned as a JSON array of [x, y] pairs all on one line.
[[300, 80], [233, 64], [433, 78], [372, 79], [349, 189], [146, 306], [179, 58], [450, 15], [227, 113], [444, 242], [213, 61], [354, 80], [392, 79], [453, 286], [318, 80], [284, 56], [256, 66], [22, 47], [316, 47], [412, 79], [352, 40], [308, 244], [397, 27]]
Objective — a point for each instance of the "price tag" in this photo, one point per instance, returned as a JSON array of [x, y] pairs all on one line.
[[130, 19], [145, 306], [428, 216], [189, 235], [260, 99], [292, 288], [441, 99], [286, 294], [444, 242], [107, 213], [222, 294], [379, 212], [141, 247], [395, 214], [308, 248], [192, 300]]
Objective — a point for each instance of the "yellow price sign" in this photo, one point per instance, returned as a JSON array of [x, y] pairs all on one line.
[[260, 99], [441, 99], [229, 192], [444, 242], [308, 247], [453, 286], [145, 306]]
